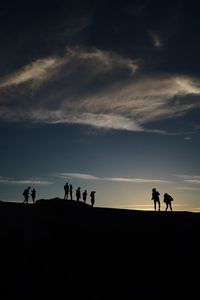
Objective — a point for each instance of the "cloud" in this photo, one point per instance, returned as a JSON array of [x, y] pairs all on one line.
[[187, 188], [95, 87], [82, 176], [77, 176], [184, 176], [34, 73], [146, 99], [97, 120], [44, 69], [190, 178], [192, 181], [156, 40], [135, 180], [187, 138], [34, 181]]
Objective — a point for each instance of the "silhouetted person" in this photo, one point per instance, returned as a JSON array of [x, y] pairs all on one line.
[[66, 189], [33, 194], [78, 194], [84, 195], [26, 194], [168, 199], [92, 198], [155, 198], [71, 191]]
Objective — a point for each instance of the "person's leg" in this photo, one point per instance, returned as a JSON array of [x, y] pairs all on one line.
[[170, 205], [154, 205], [166, 206], [159, 205]]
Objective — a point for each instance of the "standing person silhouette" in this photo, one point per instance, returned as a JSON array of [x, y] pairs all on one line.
[[155, 198], [66, 189], [33, 194], [92, 197], [26, 194], [168, 199], [84, 195], [71, 191], [78, 194]]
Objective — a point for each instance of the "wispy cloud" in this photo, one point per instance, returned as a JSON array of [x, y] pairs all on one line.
[[192, 181], [77, 176], [109, 121], [34, 181], [34, 73], [187, 188], [45, 68], [83, 176], [97, 88], [155, 39], [190, 178], [135, 180]]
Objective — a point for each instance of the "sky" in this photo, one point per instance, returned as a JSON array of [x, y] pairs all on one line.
[[104, 95]]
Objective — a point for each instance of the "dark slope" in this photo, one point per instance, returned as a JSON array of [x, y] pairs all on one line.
[[67, 250]]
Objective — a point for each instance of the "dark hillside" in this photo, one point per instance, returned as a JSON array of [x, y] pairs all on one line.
[[59, 249]]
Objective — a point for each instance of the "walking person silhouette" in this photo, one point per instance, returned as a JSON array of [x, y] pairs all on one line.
[[33, 194], [155, 198], [78, 194], [26, 194], [84, 195], [92, 197], [168, 199], [71, 191], [66, 189]]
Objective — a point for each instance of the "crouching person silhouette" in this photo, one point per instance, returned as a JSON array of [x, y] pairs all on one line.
[[168, 199], [155, 198]]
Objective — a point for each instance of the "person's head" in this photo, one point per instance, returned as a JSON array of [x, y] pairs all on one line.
[[153, 190]]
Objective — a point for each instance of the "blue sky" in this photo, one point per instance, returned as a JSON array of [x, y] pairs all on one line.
[[111, 106]]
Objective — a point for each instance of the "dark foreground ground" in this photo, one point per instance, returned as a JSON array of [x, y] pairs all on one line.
[[67, 250]]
